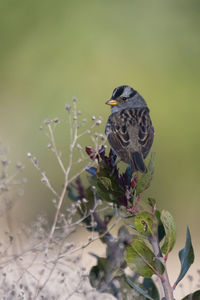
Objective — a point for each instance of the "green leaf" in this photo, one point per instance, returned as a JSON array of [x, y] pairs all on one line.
[[106, 182], [151, 288], [141, 259], [137, 288], [186, 256], [145, 223], [107, 186], [193, 296], [145, 178], [170, 231], [161, 230]]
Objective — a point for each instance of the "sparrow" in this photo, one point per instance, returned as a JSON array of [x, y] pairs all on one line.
[[129, 128]]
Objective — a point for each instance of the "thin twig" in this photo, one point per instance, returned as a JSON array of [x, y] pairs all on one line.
[[97, 237], [55, 148], [168, 290]]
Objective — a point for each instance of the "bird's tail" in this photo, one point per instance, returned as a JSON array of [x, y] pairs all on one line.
[[137, 163]]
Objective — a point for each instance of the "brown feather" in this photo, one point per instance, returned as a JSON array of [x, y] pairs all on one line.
[[130, 131]]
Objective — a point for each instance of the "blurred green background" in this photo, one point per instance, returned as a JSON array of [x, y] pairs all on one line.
[[51, 51]]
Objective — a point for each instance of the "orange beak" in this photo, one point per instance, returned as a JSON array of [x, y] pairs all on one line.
[[112, 102]]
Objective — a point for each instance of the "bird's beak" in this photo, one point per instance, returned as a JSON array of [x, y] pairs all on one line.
[[112, 102]]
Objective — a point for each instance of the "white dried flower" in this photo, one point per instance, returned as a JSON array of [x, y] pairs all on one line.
[[4, 162], [99, 202], [56, 120], [67, 107], [98, 122], [79, 147], [35, 160], [44, 180], [47, 121], [19, 165]]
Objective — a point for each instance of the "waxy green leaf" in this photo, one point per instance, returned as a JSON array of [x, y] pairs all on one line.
[[141, 259], [137, 288], [151, 288], [145, 223], [186, 256], [170, 231], [161, 230], [106, 182]]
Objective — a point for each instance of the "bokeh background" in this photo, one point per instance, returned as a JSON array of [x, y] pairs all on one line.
[[51, 51]]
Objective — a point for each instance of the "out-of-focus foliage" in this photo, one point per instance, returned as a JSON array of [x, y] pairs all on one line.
[[142, 252], [51, 51]]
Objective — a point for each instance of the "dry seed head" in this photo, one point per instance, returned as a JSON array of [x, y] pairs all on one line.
[[98, 122], [35, 161], [44, 180], [79, 147], [74, 99], [56, 120], [4, 161], [47, 121], [19, 165], [99, 202], [67, 107]]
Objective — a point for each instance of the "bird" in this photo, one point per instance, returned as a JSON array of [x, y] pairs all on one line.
[[129, 129]]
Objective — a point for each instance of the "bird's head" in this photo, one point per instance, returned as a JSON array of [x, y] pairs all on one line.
[[124, 97], [121, 95]]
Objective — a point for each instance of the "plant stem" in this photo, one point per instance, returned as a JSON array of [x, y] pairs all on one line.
[[168, 290]]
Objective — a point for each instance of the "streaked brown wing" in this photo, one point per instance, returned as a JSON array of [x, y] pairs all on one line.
[[122, 131], [146, 131], [118, 137], [118, 147], [129, 131]]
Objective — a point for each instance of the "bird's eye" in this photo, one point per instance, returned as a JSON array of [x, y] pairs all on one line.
[[123, 98]]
